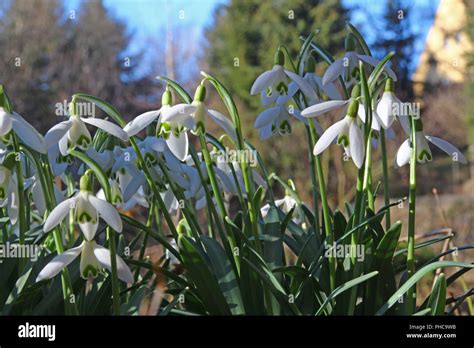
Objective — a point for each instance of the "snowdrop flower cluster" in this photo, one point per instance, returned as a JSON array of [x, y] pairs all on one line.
[[278, 86], [349, 131]]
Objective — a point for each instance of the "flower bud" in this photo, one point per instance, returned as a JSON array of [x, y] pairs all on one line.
[[166, 98], [279, 58], [199, 116], [311, 65], [355, 91], [353, 108], [350, 43], [85, 183], [200, 93], [389, 85]]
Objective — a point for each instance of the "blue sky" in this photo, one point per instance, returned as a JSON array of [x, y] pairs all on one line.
[[148, 18]]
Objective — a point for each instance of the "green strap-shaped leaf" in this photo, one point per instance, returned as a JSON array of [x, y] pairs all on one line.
[[104, 106], [415, 278], [346, 286], [225, 274], [200, 273], [437, 300]]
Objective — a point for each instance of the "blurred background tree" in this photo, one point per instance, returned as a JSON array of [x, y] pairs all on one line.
[[48, 55], [245, 35], [394, 33]]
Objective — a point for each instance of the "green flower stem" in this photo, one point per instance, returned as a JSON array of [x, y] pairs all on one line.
[[411, 293], [70, 191], [21, 200], [156, 193], [213, 213], [247, 174], [367, 187], [215, 186], [104, 182], [149, 224], [314, 180], [324, 201], [113, 261], [46, 179], [386, 191]]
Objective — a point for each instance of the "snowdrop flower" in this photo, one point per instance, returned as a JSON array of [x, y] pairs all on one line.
[[423, 152], [317, 85], [225, 173], [25, 131], [167, 112], [348, 134], [74, 133], [345, 66], [93, 258], [87, 209], [275, 81], [286, 204], [390, 107], [331, 105], [9, 191], [273, 120]]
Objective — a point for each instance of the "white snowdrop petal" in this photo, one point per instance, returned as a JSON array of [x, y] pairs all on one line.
[[108, 212], [58, 214], [333, 71], [448, 148], [328, 136], [58, 263], [356, 144], [105, 259], [403, 154], [106, 126], [324, 107]]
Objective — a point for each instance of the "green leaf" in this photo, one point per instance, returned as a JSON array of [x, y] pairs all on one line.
[[383, 257], [104, 106], [422, 312], [415, 278], [346, 286], [162, 240], [225, 274], [359, 38], [378, 70], [177, 87], [437, 300], [19, 285], [200, 273]]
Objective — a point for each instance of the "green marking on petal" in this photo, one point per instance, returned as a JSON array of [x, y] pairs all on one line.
[[90, 271], [84, 217], [343, 140], [425, 155]]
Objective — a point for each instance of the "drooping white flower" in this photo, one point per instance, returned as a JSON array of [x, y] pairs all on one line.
[[325, 107], [423, 152], [25, 131], [286, 204], [273, 83], [273, 120], [74, 133], [390, 107], [93, 258], [345, 66], [87, 209], [9, 193], [348, 134]]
